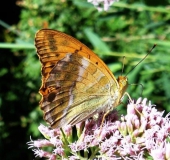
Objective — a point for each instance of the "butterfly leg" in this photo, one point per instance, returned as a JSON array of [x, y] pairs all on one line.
[[104, 117], [126, 93], [132, 102]]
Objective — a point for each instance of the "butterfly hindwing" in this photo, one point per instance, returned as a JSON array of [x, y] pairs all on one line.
[[77, 89]]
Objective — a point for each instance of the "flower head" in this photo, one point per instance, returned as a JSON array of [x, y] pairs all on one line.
[[140, 134], [102, 4]]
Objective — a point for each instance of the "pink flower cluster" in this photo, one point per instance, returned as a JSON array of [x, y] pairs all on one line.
[[141, 134], [102, 4]]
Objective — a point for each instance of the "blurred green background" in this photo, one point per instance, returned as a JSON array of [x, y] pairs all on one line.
[[129, 28]]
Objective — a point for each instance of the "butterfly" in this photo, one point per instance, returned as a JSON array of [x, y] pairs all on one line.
[[76, 83]]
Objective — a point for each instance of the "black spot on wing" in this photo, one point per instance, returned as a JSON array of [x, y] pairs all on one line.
[[51, 96]]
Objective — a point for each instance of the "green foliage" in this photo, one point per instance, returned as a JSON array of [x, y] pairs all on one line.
[[128, 29]]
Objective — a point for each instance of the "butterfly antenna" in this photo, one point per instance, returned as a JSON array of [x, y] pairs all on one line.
[[123, 64], [142, 59]]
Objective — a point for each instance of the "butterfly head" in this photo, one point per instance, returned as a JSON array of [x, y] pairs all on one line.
[[123, 83]]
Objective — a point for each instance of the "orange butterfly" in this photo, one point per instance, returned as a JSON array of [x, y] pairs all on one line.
[[76, 83]]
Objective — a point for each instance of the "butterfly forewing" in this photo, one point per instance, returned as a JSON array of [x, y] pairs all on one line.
[[52, 46], [76, 83]]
